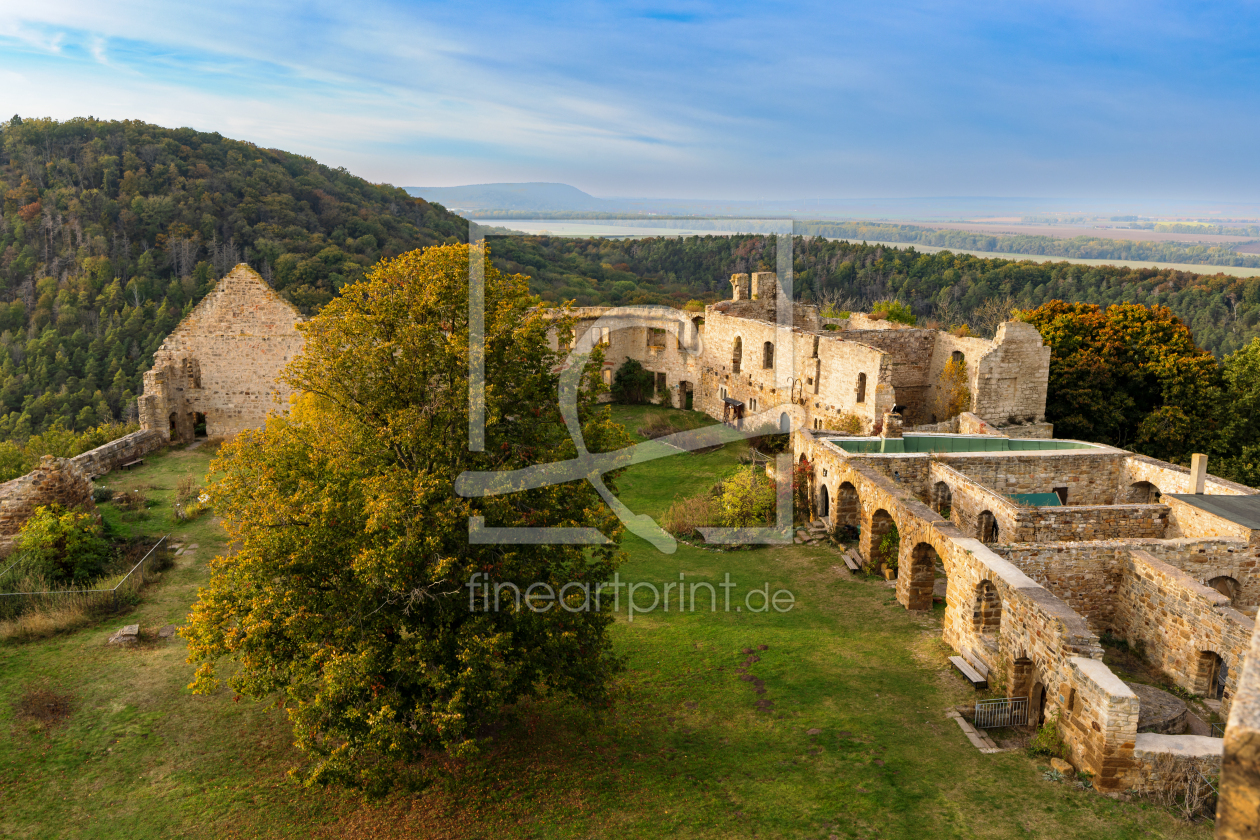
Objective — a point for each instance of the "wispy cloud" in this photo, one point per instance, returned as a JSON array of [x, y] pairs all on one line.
[[741, 100]]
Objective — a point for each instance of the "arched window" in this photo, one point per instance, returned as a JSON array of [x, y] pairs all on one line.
[[861, 388], [942, 499], [767, 354], [738, 355], [958, 358]]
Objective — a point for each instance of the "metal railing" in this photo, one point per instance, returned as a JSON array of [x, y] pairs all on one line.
[[133, 579], [1005, 711], [1218, 730]]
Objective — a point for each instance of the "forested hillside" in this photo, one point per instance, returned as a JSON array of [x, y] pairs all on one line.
[[1222, 311], [112, 231]]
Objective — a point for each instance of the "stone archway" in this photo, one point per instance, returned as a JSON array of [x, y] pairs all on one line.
[[986, 527], [1037, 704], [848, 510], [1209, 678], [921, 577], [881, 523], [1225, 585], [1142, 493], [824, 502], [942, 499]]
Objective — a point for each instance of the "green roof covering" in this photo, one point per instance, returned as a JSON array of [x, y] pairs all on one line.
[[1037, 499], [913, 443]]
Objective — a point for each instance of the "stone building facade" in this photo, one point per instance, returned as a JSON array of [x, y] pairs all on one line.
[[219, 369], [846, 374]]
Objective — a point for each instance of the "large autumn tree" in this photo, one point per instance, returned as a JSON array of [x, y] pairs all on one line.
[[1129, 375], [347, 600]]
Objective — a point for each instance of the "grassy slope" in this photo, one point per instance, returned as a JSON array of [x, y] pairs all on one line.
[[684, 753]]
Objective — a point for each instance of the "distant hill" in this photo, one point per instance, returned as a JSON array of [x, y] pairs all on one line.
[[540, 196]]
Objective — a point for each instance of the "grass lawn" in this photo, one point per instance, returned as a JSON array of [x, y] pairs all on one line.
[[697, 746]]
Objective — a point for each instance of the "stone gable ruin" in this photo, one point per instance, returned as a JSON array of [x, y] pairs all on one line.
[[218, 372]]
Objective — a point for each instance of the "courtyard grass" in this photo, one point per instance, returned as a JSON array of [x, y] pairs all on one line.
[[690, 749]]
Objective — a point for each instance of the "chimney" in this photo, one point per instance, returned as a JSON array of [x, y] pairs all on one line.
[[1198, 472]]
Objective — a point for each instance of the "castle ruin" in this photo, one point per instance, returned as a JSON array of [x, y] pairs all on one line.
[[218, 372]]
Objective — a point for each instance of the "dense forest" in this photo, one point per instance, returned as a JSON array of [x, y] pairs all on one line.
[[112, 231], [1222, 311], [1078, 247]]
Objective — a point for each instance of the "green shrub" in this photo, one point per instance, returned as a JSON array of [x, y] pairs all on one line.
[[632, 385], [893, 310], [890, 547], [63, 546], [747, 499], [1048, 742]]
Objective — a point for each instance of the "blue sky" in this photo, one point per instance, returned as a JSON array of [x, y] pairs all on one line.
[[720, 100]]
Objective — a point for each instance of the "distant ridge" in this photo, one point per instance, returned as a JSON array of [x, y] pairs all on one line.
[[536, 195]]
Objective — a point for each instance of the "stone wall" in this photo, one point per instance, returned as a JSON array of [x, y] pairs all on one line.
[[54, 481], [1086, 575], [1238, 811], [1090, 477], [223, 361], [1186, 520], [110, 456], [1170, 478], [1175, 620]]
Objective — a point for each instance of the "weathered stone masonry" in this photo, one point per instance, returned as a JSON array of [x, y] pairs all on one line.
[[223, 361]]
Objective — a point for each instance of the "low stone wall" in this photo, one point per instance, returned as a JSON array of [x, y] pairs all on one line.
[[1075, 523], [1238, 811], [1084, 574], [1088, 477], [1170, 478], [1176, 621], [110, 456], [1149, 748], [1186, 520], [55, 480]]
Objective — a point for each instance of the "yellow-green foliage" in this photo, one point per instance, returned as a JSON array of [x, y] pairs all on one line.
[[349, 597], [62, 546], [18, 458], [747, 499], [953, 394]]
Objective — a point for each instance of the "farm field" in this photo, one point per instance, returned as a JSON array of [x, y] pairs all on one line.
[[839, 732]]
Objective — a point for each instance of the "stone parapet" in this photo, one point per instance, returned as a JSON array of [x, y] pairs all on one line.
[[110, 456]]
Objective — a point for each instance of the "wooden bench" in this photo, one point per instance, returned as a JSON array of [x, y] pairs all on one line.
[[136, 463], [851, 562], [973, 676]]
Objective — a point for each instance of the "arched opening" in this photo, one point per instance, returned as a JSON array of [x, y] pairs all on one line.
[[861, 388], [1225, 585], [1142, 493], [824, 502], [1037, 705], [986, 527], [923, 562], [738, 354], [942, 499], [1211, 675], [847, 506], [785, 423], [958, 358], [883, 547], [987, 615], [767, 354], [199, 424], [174, 426]]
